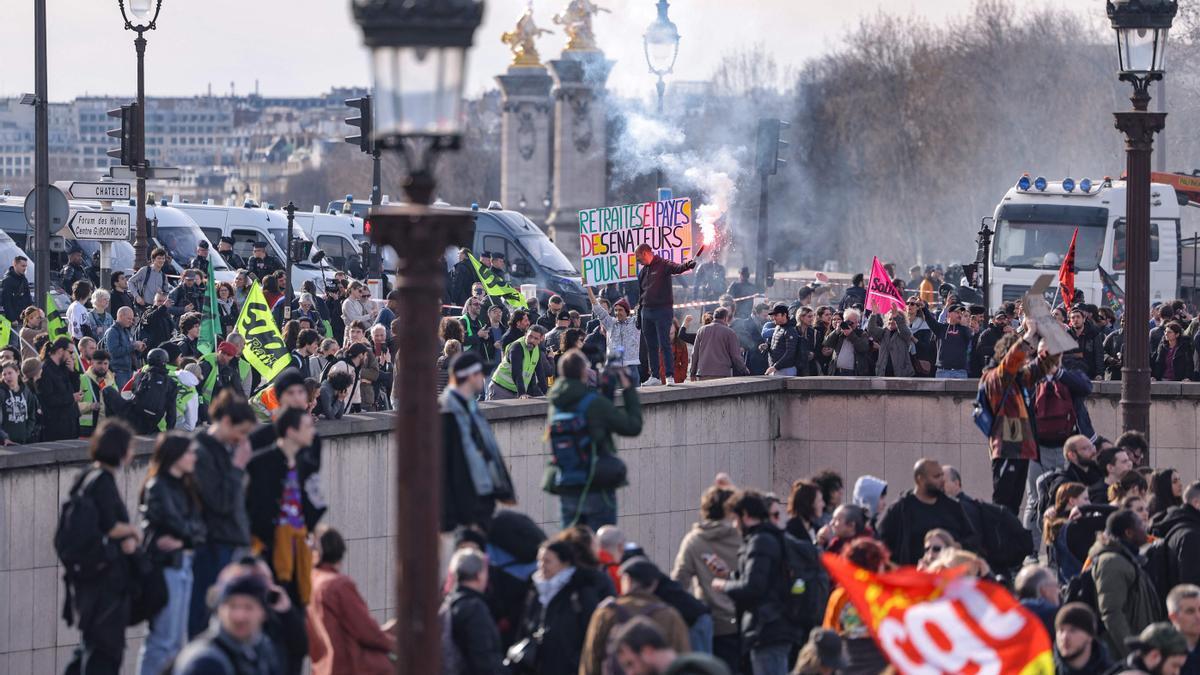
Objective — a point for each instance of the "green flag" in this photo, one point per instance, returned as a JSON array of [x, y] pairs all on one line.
[[210, 316], [56, 325], [495, 287]]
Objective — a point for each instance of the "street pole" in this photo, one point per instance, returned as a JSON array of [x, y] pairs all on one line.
[[662, 88], [376, 188], [141, 237], [1139, 127], [41, 119], [760, 259], [291, 216]]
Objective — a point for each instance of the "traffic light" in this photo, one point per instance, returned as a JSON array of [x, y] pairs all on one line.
[[129, 152], [770, 145], [362, 122]]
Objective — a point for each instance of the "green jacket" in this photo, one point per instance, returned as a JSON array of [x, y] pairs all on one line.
[[1126, 595], [604, 417]]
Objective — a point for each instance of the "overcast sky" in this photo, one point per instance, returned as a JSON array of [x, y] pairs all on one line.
[[303, 47]]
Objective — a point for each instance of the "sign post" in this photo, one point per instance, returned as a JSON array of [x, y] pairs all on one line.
[[105, 225]]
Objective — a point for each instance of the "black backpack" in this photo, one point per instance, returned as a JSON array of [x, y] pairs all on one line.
[[807, 583], [1082, 588], [151, 396], [1047, 488], [78, 540], [1158, 567], [1005, 542]]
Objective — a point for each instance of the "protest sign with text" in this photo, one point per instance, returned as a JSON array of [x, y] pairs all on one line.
[[882, 294], [608, 237]]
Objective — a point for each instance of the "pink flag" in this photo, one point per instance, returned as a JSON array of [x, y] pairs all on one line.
[[882, 295]]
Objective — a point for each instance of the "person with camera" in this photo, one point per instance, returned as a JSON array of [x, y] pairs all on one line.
[[590, 497], [849, 347]]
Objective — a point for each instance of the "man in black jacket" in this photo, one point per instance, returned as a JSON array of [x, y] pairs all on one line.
[[461, 278], [14, 290], [474, 475], [656, 309], [1180, 527], [920, 510], [1089, 357], [222, 453], [74, 269], [985, 343], [855, 295], [475, 638], [58, 392], [758, 586], [781, 353]]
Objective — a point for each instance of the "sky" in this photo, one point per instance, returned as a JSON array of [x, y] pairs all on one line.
[[304, 47]]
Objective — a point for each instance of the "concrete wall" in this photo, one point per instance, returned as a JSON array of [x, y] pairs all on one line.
[[763, 432]]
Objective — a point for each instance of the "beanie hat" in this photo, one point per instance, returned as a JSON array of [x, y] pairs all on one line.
[[247, 584], [1077, 615], [622, 303], [641, 570]]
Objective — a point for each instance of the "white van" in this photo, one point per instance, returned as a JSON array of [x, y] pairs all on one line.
[[339, 236], [247, 225]]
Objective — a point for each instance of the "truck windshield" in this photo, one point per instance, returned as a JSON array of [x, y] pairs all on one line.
[[547, 255], [1043, 245], [181, 244]]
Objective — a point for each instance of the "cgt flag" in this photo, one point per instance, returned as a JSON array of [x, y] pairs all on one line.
[[882, 294], [1066, 274], [495, 287], [265, 350], [928, 624]]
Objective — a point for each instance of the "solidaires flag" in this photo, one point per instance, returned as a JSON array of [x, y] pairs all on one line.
[[265, 350]]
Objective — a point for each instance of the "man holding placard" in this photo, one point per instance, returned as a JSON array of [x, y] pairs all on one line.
[[656, 310]]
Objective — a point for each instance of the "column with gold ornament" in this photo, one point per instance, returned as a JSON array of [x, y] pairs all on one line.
[[580, 125], [526, 126]]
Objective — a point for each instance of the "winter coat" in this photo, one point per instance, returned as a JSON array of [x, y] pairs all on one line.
[[222, 492], [709, 537], [717, 353], [981, 349], [1114, 348], [1098, 663], [203, 656], [893, 346], [119, 342], [1182, 361], [807, 351], [654, 281], [1180, 526], [1015, 373], [614, 612], [474, 633], [462, 503], [604, 417], [14, 294], [621, 335], [855, 295], [343, 637], [1090, 356], [168, 510], [267, 472], [758, 588], [564, 622], [56, 392], [1126, 596], [781, 352], [860, 343]]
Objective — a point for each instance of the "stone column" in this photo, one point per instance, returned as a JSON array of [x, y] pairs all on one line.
[[580, 143], [525, 140]]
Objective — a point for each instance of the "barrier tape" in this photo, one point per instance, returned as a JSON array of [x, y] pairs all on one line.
[[686, 305]]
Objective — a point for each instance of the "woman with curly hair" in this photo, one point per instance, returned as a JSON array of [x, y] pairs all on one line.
[[840, 615]]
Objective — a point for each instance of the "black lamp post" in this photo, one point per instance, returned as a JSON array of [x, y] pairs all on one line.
[[1141, 27], [418, 57], [661, 44], [141, 17]]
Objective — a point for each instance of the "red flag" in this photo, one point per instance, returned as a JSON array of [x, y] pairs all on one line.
[[1066, 274], [945, 623]]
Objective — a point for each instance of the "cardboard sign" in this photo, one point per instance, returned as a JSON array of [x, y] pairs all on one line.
[[882, 294], [608, 237], [946, 622]]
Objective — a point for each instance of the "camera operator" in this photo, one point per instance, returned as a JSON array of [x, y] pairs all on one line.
[[594, 503]]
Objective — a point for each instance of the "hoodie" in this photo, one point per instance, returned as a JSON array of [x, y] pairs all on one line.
[[709, 537], [867, 492], [1180, 527]]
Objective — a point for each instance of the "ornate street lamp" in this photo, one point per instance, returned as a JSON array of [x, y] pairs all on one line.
[[141, 17], [661, 44], [1141, 27], [418, 64]]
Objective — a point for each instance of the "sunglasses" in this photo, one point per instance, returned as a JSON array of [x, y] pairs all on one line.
[[934, 549], [478, 291]]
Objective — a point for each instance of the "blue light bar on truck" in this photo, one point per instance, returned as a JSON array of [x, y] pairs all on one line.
[[1040, 183], [1085, 185], [1068, 184], [1023, 183]]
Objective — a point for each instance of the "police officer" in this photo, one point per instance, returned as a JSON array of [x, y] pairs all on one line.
[[225, 248], [259, 265], [200, 262], [74, 270]]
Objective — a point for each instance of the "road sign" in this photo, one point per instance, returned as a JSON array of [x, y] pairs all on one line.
[[151, 173], [101, 225], [60, 210], [106, 191]]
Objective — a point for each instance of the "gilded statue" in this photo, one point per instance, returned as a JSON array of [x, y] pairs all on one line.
[[577, 20], [520, 39]]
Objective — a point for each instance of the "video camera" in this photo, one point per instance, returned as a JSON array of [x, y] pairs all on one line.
[[610, 372]]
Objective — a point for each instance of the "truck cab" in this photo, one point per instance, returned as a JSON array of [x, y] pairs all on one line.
[[1036, 219]]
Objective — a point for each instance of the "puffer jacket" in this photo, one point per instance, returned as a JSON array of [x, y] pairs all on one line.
[[1126, 596], [893, 346], [715, 537], [759, 587], [623, 334], [781, 351]]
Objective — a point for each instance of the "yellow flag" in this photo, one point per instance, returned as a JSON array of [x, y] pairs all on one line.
[[56, 326], [495, 287], [265, 350], [5, 331]]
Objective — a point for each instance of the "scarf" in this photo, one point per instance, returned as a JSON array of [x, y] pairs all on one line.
[[483, 463], [548, 588]]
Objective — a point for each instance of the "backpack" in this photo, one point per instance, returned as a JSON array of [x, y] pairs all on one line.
[[1047, 488], [1082, 588], [78, 541], [1006, 542], [1158, 567], [151, 396], [807, 583], [571, 444], [1054, 411], [982, 413]]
